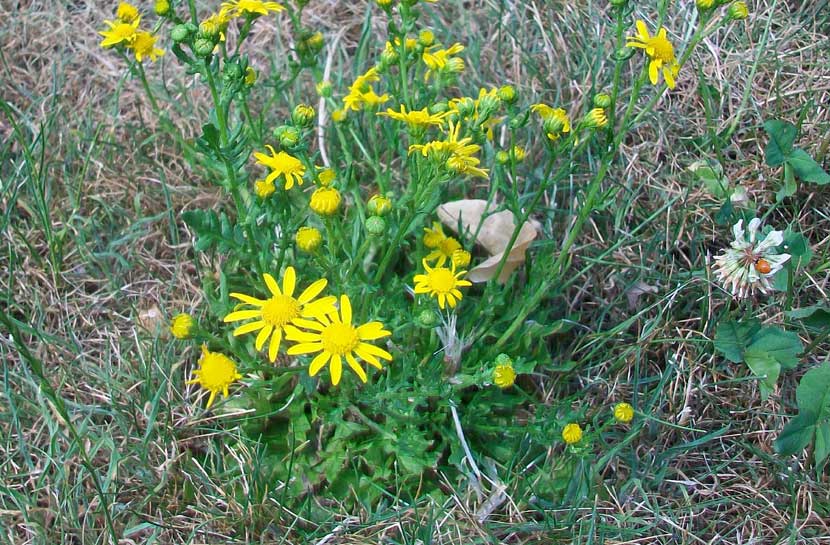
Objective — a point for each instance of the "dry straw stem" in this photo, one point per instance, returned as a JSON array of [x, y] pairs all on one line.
[[116, 185]]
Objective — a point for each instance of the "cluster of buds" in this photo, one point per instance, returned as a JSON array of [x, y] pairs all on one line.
[[377, 206]]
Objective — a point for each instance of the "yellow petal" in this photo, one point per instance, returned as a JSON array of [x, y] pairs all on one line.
[[667, 74], [242, 315], [274, 347], [247, 328], [273, 287], [312, 291], [318, 362], [304, 348], [289, 280], [372, 331], [642, 29], [356, 367], [336, 369], [308, 324], [653, 71], [263, 336], [248, 299], [375, 350], [346, 309]]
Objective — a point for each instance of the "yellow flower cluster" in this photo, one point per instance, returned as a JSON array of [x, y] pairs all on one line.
[[457, 154], [443, 61], [314, 323], [124, 31], [361, 94]]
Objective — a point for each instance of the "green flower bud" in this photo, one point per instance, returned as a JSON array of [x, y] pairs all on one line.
[[232, 71], [618, 3], [438, 108], [519, 121], [705, 5], [623, 53], [375, 226], [379, 205], [203, 47], [602, 100], [502, 157], [324, 89], [504, 359], [427, 318], [426, 38], [303, 115], [466, 107], [388, 57], [507, 94], [553, 125], [181, 33], [487, 104], [287, 135]]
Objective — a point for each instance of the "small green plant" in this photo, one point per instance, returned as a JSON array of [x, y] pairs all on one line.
[[797, 163]]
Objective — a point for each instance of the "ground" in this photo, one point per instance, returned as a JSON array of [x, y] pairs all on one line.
[[94, 256]]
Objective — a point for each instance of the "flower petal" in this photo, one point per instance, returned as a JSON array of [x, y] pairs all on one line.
[[308, 324], [346, 309], [312, 291], [304, 348], [274, 347], [263, 335], [249, 327], [248, 299], [289, 281], [371, 331], [375, 350], [273, 287], [336, 369], [356, 367], [318, 362], [242, 315]]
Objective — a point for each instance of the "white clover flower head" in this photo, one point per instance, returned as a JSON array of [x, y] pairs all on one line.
[[749, 263]]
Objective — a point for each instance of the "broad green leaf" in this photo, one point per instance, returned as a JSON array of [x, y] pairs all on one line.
[[815, 316], [790, 186], [796, 435], [798, 247], [806, 168], [781, 138], [765, 367], [782, 346], [813, 393], [822, 449], [732, 338]]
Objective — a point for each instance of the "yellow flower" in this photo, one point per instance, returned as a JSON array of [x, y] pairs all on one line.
[[119, 33], [460, 258], [144, 45], [441, 283], [308, 239], [456, 153], [127, 13], [282, 164], [504, 376], [237, 8], [272, 315], [443, 60], [162, 7], [556, 121], [326, 176], [216, 24], [182, 326], [703, 5], [572, 434], [596, 118], [433, 236], [623, 412], [334, 336], [660, 51], [361, 93], [215, 374], [416, 118], [264, 188], [519, 154], [384, 3], [338, 115], [379, 205], [738, 10], [250, 76], [444, 251], [325, 201]]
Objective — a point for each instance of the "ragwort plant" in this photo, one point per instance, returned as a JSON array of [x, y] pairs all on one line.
[[374, 310]]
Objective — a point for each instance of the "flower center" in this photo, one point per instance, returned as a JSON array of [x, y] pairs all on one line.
[[217, 371], [663, 49], [280, 310], [442, 280], [339, 339]]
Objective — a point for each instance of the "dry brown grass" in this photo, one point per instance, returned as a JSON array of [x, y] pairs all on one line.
[[113, 188]]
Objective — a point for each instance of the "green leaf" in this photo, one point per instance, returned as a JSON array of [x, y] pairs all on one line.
[[813, 393], [790, 187], [815, 316], [798, 247], [781, 138], [765, 367], [806, 168], [822, 449], [782, 346], [710, 174], [732, 338], [796, 435], [213, 230]]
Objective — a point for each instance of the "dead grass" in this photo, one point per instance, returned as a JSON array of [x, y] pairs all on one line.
[[116, 191]]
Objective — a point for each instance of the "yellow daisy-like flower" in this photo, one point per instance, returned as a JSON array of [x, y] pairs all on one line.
[[660, 51], [572, 434], [264, 188], [434, 235], [504, 376], [556, 120], [441, 283], [415, 118], [216, 24], [443, 60], [308, 239], [326, 176], [325, 201], [282, 164], [334, 336], [596, 119], [237, 8], [144, 46], [126, 12], [456, 153], [215, 374], [623, 412], [282, 308], [182, 326], [119, 33], [444, 251]]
